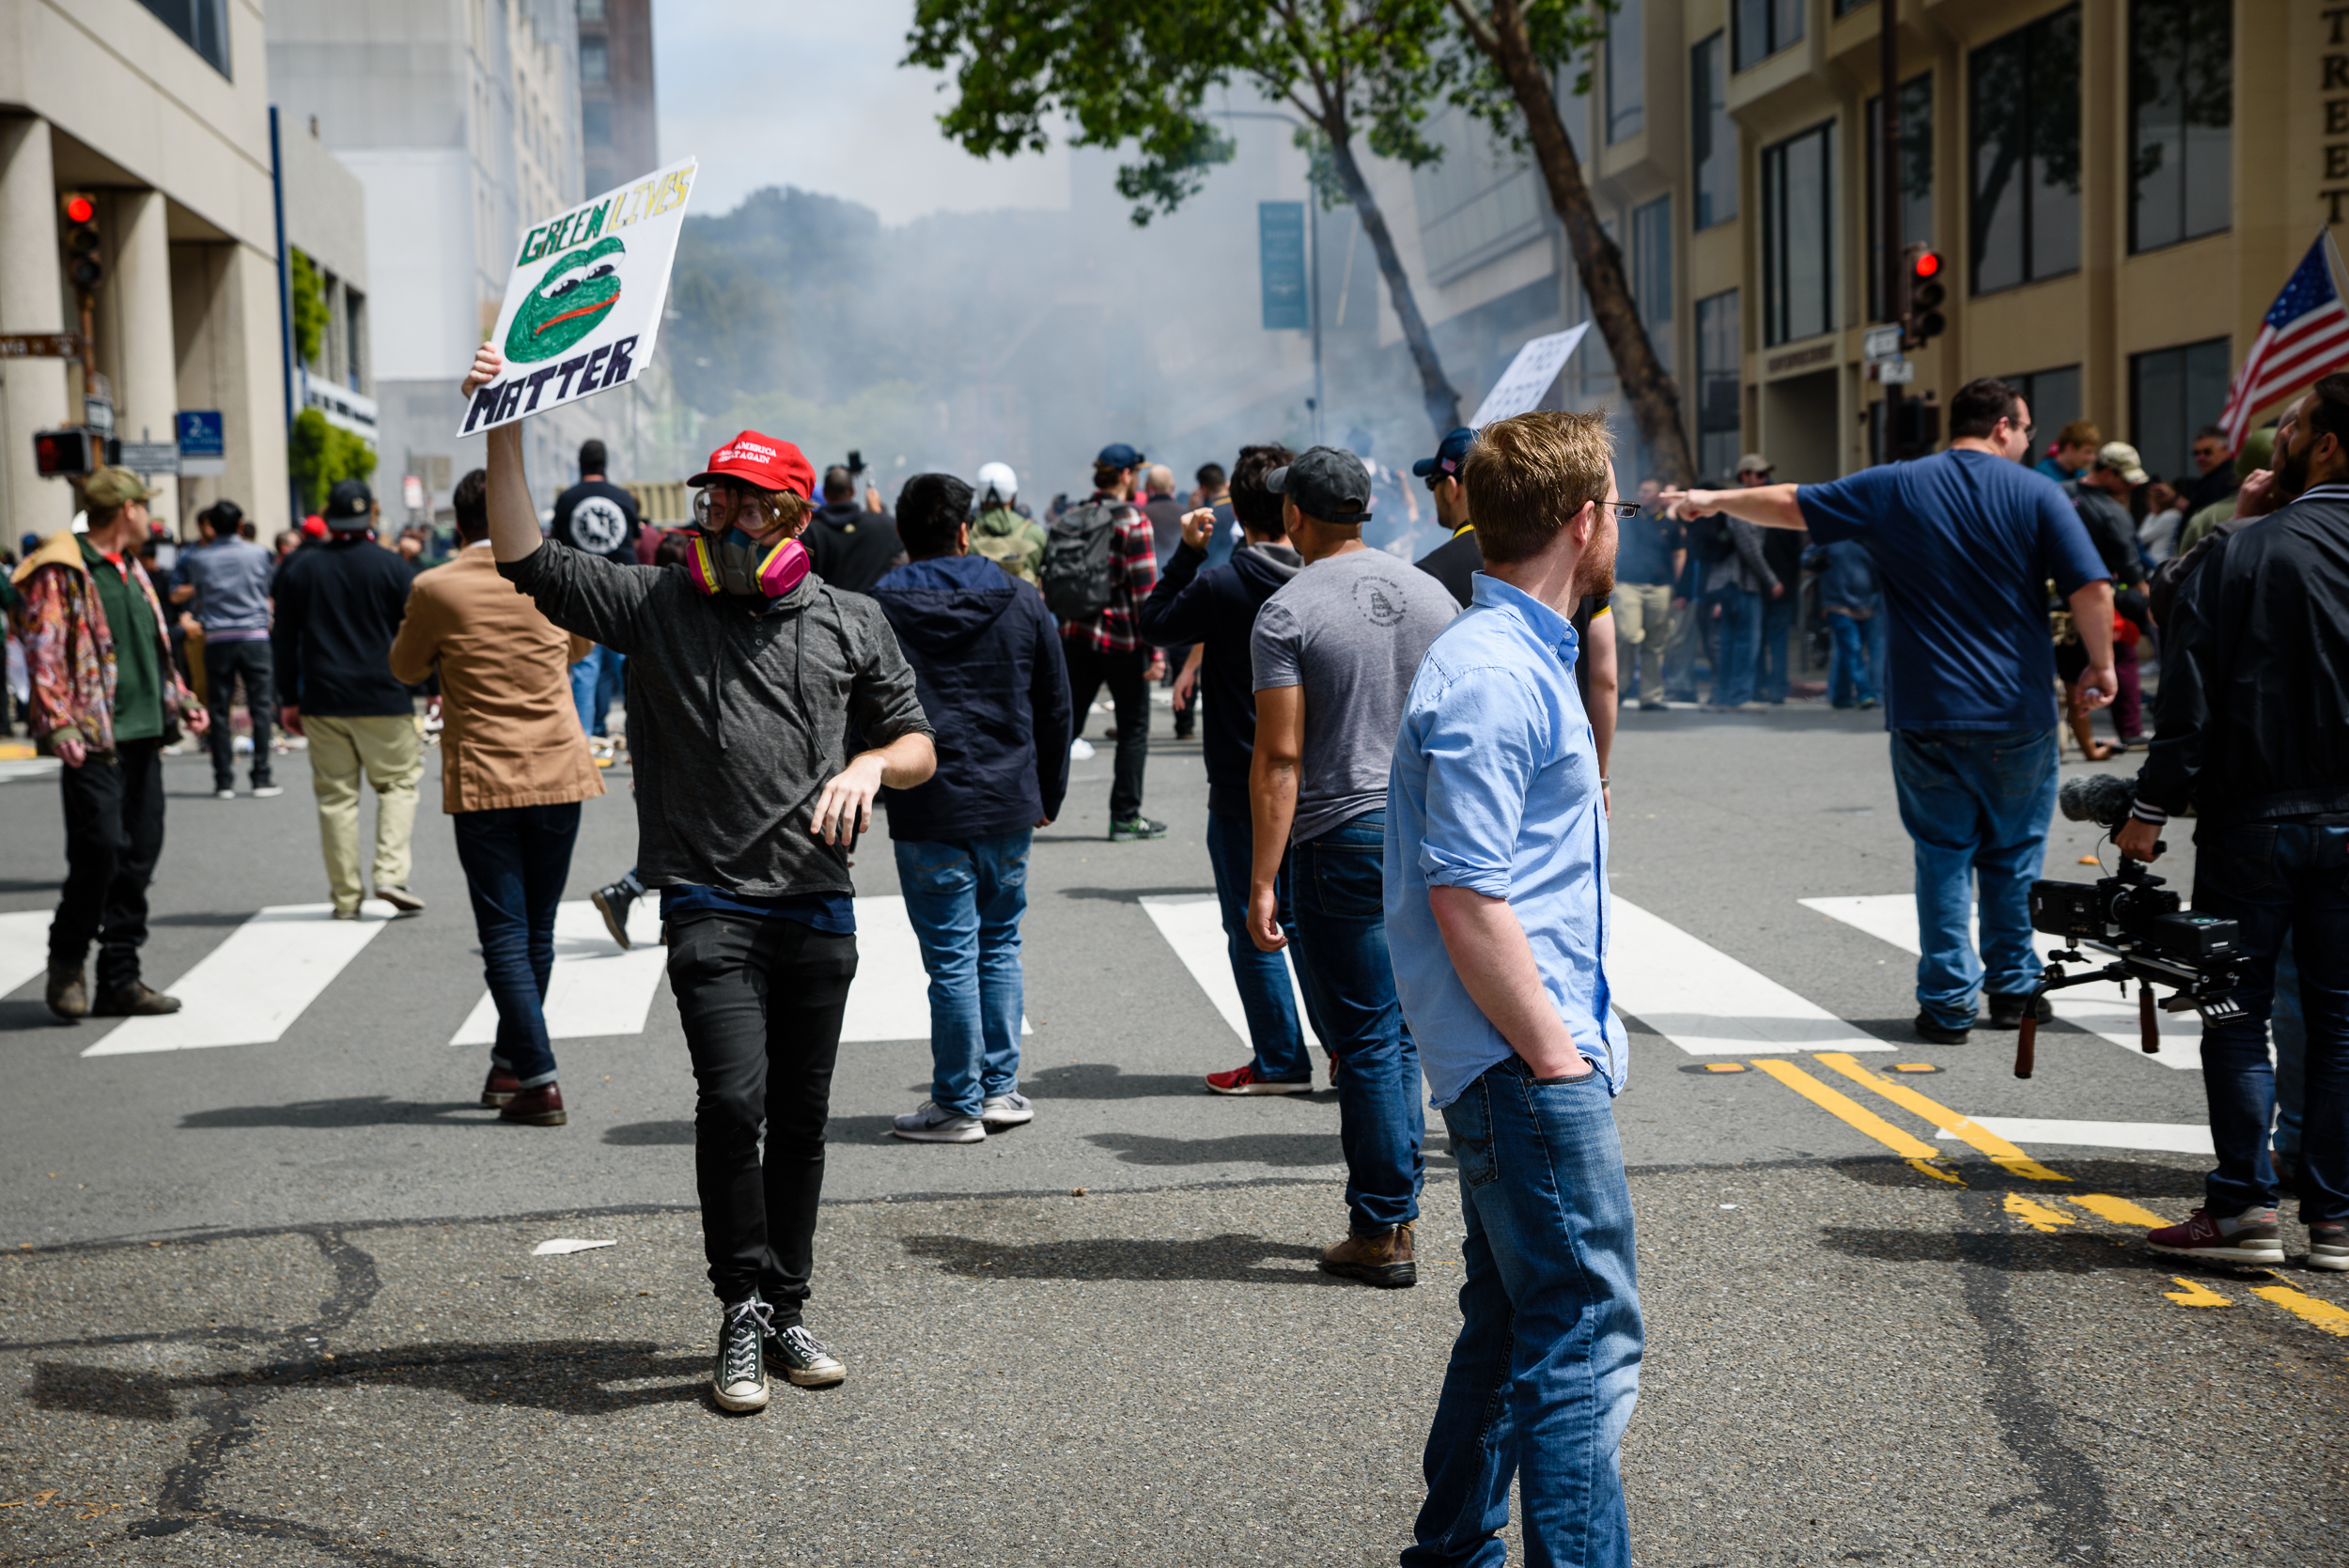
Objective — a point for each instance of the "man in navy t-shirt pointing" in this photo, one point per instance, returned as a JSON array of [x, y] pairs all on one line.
[[1965, 542]]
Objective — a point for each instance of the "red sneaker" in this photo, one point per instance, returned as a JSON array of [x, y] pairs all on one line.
[[500, 1087], [1244, 1080], [542, 1107], [2251, 1238]]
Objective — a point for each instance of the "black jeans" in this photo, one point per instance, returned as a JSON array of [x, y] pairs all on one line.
[[223, 663], [516, 858], [113, 833], [1126, 675], [762, 1001]]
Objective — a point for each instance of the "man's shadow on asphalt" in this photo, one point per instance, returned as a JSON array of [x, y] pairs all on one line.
[[571, 1377], [1231, 1257], [358, 1110], [2139, 1180]]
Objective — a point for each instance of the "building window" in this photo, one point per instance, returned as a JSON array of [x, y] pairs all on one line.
[[1482, 199], [595, 61], [355, 325], [2181, 116], [2026, 101], [1626, 74], [1719, 361], [596, 120], [591, 11], [1652, 274], [1712, 137], [1916, 173], [1798, 236], [2172, 393], [2053, 397], [201, 25], [1762, 27]]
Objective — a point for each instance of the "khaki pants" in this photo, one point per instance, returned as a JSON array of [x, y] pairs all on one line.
[[390, 752], [1643, 615]]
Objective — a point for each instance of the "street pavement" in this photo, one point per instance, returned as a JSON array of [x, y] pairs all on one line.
[[270, 1293]]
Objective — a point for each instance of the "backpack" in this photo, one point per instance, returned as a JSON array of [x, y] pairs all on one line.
[[1014, 549], [1076, 574]]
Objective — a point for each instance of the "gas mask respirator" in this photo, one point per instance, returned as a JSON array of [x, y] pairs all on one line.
[[726, 560]]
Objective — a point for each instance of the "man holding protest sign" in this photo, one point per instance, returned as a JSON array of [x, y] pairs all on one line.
[[752, 672]]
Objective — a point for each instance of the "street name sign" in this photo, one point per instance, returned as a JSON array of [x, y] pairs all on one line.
[[1281, 265], [203, 443], [1881, 342], [39, 346]]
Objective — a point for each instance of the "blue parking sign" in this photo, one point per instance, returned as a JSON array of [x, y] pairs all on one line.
[[201, 434]]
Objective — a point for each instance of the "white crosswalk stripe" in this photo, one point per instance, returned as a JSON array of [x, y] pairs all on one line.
[[890, 998], [1707, 1003], [595, 988], [249, 990], [24, 947], [2099, 1009], [1193, 928], [2169, 1136]]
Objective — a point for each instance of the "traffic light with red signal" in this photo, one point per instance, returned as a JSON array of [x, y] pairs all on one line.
[[84, 264], [1925, 295]]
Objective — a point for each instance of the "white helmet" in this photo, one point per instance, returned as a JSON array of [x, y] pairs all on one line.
[[997, 485]]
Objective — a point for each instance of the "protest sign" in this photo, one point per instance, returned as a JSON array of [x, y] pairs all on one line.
[[1526, 382], [583, 307]]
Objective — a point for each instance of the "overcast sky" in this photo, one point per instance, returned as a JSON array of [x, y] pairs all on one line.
[[810, 94]]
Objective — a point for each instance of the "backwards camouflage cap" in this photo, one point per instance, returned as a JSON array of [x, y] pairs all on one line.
[[116, 486]]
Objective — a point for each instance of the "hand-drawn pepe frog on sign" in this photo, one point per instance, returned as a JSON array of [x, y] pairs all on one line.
[[576, 293]]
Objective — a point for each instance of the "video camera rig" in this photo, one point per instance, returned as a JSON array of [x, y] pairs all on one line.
[[2130, 916]]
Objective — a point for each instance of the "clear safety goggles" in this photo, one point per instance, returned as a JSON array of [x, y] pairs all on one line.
[[722, 503]]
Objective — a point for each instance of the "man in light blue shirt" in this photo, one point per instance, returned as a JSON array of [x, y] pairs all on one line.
[[1496, 904]]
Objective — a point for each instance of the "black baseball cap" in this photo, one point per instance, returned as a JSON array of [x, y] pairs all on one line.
[[1327, 482], [350, 506], [1450, 455]]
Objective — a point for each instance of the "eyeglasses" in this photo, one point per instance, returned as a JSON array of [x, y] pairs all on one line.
[[720, 502], [1625, 510]]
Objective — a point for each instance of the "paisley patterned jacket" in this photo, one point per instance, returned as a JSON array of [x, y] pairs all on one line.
[[69, 650]]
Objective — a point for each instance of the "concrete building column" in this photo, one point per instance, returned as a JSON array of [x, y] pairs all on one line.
[[145, 352], [33, 392]]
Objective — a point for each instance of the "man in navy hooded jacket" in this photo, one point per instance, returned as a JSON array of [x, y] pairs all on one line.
[[1217, 608], [987, 669]]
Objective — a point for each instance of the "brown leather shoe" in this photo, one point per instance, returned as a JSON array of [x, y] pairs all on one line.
[[134, 1000], [542, 1107], [1384, 1261], [69, 996], [500, 1087]]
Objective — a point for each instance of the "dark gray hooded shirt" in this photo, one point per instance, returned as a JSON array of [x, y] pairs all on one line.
[[740, 712]]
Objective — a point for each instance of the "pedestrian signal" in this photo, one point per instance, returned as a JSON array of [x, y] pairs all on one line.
[[63, 454], [83, 263], [1925, 295]]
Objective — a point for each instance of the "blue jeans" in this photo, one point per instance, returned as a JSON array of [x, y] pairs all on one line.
[[1266, 995], [516, 861], [1341, 910], [2274, 878], [1976, 805], [1547, 1366], [1851, 677], [588, 692], [1737, 645], [965, 897], [2288, 1027], [1778, 631]]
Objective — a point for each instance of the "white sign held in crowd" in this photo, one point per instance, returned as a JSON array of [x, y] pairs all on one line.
[[1526, 382], [582, 307]]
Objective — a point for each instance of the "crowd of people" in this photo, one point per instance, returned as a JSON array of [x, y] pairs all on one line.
[[1408, 795]]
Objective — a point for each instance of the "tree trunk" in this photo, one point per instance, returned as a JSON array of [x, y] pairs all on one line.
[[1443, 403], [1647, 385]]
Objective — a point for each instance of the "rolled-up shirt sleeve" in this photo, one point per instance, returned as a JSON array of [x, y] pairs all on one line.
[[1482, 740]]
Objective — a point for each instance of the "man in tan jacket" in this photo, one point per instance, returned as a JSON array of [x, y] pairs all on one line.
[[514, 768]]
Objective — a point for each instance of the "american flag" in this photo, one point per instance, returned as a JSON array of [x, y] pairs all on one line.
[[2305, 335]]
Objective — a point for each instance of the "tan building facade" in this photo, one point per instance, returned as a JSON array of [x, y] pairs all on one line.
[[169, 135]]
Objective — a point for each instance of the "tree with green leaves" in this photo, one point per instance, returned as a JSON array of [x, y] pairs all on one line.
[[1518, 47], [1136, 74]]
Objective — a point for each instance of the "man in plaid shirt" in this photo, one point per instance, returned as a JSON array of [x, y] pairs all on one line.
[[1106, 648]]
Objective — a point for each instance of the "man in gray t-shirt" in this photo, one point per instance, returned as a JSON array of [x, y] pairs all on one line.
[[225, 583], [1334, 652]]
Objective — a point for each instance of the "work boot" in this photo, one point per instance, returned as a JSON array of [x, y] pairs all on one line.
[[1384, 1261], [1938, 1034], [542, 1107], [134, 1000], [613, 902], [68, 994], [2006, 1012], [500, 1087]]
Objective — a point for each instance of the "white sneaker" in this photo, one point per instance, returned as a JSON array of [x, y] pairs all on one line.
[[1014, 1109], [267, 792], [223, 794], [932, 1124]]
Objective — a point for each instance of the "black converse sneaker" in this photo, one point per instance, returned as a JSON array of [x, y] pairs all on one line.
[[738, 1379], [807, 1359]]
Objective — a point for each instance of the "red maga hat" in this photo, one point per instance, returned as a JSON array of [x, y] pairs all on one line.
[[761, 460]]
